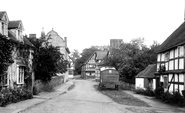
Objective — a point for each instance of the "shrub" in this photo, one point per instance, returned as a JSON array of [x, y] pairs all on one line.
[[183, 93], [177, 99], [139, 91], [146, 91], [35, 90], [159, 92], [149, 92], [8, 96]]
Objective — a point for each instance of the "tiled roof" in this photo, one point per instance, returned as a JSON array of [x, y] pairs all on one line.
[[177, 38], [27, 42], [11, 35], [148, 72], [101, 54], [14, 24], [2, 14]]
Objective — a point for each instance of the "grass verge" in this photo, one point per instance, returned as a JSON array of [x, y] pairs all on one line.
[[123, 98]]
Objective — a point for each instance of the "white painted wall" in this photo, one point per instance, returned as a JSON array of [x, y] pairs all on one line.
[[139, 83], [162, 57], [181, 63], [171, 54], [176, 64], [1, 27], [171, 65], [154, 84], [159, 57]]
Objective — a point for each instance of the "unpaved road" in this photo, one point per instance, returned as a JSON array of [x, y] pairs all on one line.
[[84, 98]]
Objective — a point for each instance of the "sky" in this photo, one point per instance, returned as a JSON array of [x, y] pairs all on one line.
[[88, 23]]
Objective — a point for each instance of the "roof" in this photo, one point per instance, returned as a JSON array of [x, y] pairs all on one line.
[[67, 49], [27, 42], [14, 24], [11, 35], [177, 38], [53, 33], [148, 72], [101, 54], [2, 14]]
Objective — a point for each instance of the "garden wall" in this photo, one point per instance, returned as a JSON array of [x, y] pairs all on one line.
[[40, 86]]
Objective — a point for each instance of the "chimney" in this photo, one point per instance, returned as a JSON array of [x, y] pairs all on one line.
[[32, 35], [65, 39]]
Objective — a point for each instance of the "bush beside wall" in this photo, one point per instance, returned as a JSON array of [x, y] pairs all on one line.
[[43, 86], [8, 96], [171, 98]]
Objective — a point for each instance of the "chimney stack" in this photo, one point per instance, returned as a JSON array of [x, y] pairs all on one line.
[[65, 39], [32, 35]]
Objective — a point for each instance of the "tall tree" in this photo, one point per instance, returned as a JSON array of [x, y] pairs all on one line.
[[132, 58], [47, 60]]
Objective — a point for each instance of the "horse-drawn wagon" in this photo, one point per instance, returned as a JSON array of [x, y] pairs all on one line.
[[109, 78]]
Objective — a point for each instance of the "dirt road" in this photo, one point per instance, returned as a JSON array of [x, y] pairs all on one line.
[[84, 98]]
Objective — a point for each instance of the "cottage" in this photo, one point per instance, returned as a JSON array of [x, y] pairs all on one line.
[[146, 78], [16, 71], [90, 68], [171, 61]]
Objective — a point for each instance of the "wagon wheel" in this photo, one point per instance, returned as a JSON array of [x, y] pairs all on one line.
[[117, 87], [100, 86]]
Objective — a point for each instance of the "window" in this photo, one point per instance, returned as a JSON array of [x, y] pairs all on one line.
[[180, 51], [20, 77], [91, 66]]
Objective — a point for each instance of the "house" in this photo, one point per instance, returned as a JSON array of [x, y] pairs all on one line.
[[57, 41], [171, 61], [21, 55], [90, 67], [146, 78]]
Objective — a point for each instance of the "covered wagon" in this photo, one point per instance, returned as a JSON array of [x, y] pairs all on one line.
[[109, 78]]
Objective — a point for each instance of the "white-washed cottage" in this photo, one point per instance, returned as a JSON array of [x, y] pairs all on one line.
[[146, 78]]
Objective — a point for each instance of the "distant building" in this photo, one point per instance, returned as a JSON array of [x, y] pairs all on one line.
[[146, 78], [57, 41], [90, 67], [115, 43]]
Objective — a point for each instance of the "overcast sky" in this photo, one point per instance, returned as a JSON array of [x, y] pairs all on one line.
[[95, 22]]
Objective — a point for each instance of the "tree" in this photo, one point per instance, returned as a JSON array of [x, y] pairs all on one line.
[[47, 60], [74, 55], [132, 58]]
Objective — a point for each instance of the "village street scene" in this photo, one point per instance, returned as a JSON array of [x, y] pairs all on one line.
[[45, 71]]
